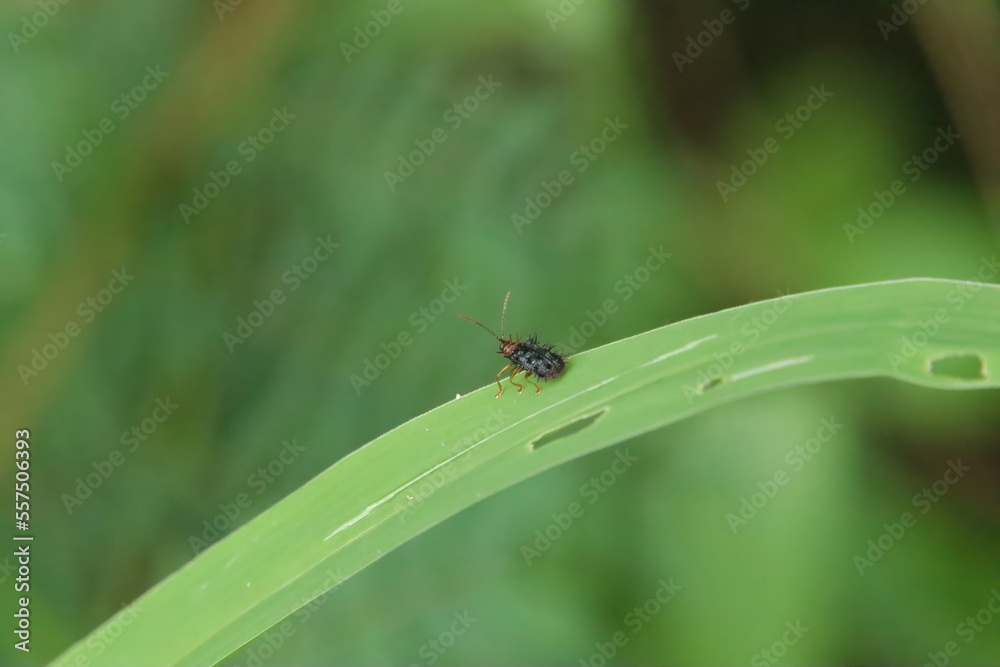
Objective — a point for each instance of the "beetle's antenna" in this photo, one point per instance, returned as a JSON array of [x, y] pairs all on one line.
[[480, 324], [503, 313]]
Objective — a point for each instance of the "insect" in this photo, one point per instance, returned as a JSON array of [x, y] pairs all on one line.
[[530, 356]]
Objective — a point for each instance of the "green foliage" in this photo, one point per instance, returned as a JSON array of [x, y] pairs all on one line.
[[440, 463], [171, 100]]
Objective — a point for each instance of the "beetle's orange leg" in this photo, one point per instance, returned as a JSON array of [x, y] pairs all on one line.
[[500, 386], [520, 387], [527, 376]]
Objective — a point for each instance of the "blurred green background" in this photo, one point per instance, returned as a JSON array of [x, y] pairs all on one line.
[[215, 152]]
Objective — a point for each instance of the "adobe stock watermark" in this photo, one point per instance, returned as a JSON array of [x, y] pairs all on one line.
[[563, 11], [364, 34], [455, 116], [432, 650], [263, 649], [922, 501], [31, 24], [580, 159], [257, 481], [101, 640], [696, 44], [59, 340], [294, 277], [131, 440], [7, 569], [223, 7], [625, 289], [957, 298], [786, 127], [779, 649], [121, 108], [591, 491], [634, 622], [407, 505], [247, 151], [751, 332], [410, 503], [97, 642], [901, 13], [967, 630], [913, 168], [419, 320], [795, 460]]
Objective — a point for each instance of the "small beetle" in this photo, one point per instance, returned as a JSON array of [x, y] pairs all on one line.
[[529, 355]]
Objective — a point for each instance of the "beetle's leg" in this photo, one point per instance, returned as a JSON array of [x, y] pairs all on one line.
[[520, 387], [527, 376], [500, 386]]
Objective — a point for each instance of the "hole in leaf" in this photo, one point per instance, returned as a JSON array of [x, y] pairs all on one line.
[[569, 429], [711, 384], [961, 366]]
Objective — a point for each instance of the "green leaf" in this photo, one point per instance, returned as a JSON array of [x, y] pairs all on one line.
[[937, 333]]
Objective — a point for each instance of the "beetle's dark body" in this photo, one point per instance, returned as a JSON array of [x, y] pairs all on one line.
[[534, 358], [530, 356]]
